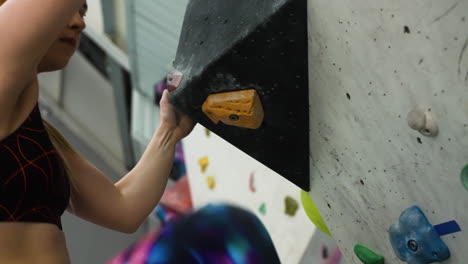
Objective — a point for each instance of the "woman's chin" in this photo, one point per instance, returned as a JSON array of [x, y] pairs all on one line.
[[50, 67]]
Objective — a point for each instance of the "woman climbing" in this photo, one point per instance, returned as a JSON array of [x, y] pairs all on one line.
[[40, 173]]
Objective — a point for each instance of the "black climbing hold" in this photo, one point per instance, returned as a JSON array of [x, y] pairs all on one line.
[[242, 45]]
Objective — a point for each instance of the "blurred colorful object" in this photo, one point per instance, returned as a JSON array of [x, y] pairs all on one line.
[[178, 197], [165, 214], [368, 256], [203, 162], [217, 234], [137, 253], [210, 181], [252, 183], [262, 209], [291, 206], [313, 213], [333, 258], [178, 168]]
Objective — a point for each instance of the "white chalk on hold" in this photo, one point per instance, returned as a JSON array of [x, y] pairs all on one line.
[[423, 121]]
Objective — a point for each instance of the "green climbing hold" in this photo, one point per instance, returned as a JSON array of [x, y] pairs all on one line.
[[262, 209], [207, 132], [367, 256], [464, 177], [313, 213], [291, 206]]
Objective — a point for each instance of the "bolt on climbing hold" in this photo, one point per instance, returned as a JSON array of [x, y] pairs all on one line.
[[313, 213], [174, 79], [291, 206], [367, 256], [423, 121], [210, 182], [238, 108], [415, 240], [207, 132], [464, 177], [203, 162]]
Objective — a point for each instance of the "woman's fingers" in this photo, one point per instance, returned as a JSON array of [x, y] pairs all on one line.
[[178, 121], [164, 98], [187, 123]]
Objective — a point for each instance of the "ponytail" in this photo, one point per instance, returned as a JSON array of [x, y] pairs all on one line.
[[61, 145]]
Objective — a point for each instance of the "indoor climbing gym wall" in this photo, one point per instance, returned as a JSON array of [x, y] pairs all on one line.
[[343, 118], [252, 145], [387, 94], [388, 116], [220, 173]]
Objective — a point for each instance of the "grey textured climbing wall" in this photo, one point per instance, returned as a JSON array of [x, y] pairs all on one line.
[[371, 64]]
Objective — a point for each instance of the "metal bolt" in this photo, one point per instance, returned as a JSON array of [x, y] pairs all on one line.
[[413, 245], [234, 117]]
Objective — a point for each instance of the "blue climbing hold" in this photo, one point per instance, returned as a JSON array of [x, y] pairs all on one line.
[[415, 240]]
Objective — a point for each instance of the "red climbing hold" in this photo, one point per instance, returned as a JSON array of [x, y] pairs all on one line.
[[251, 183]]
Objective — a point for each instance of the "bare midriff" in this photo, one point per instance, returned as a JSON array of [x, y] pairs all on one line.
[[26, 243]]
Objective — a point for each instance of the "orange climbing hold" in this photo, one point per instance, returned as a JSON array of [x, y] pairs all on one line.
[[239, 108]]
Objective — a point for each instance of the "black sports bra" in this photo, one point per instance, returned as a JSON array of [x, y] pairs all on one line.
[[33, 183]]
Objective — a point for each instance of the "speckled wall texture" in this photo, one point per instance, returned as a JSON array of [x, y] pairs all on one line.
[[371, 64]]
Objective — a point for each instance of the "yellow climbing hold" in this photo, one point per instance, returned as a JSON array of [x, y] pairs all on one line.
[[203, 163], [313, 213], [211, 182]]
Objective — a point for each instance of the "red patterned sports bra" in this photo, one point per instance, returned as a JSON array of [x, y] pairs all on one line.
[[33, 183]]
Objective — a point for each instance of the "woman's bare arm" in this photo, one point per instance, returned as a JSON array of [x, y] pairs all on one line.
[[125, 205]]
